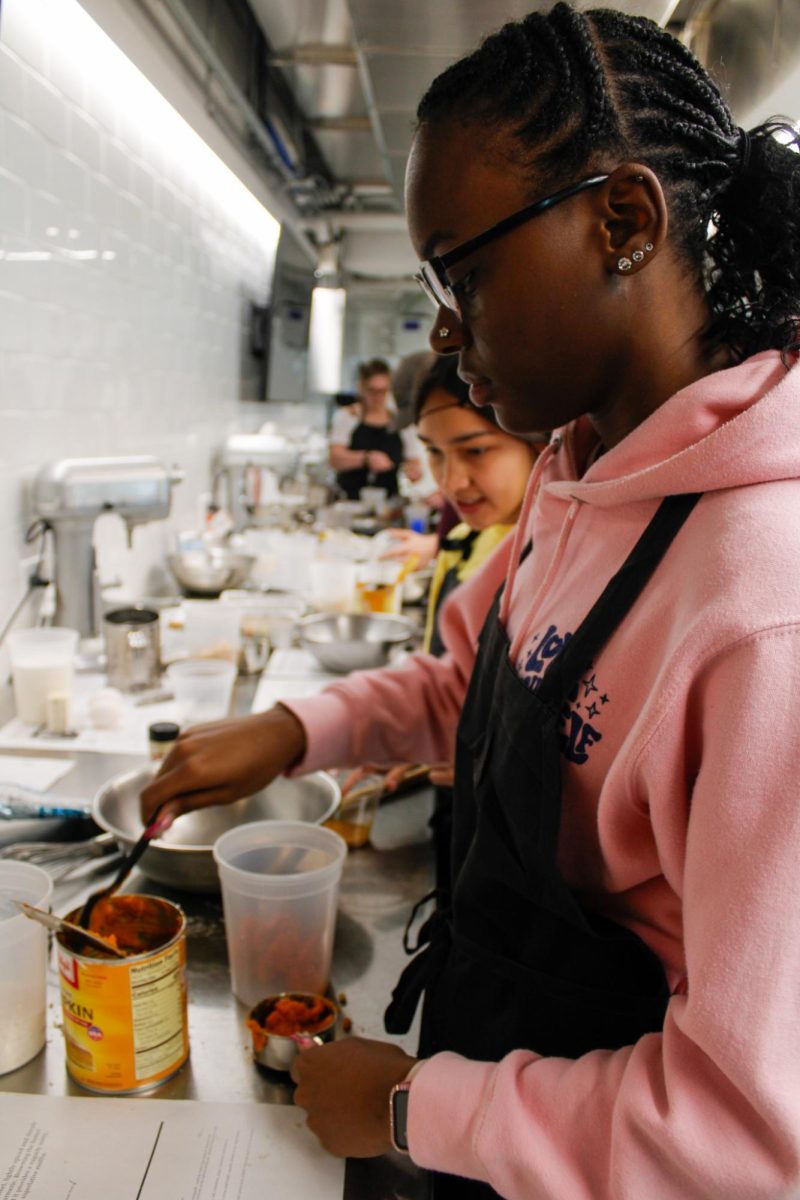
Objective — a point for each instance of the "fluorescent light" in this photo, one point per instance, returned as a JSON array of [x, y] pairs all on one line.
[[325, 340], [121, 93]]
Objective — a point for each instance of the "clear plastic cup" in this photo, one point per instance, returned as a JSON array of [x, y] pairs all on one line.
[[280, 884], [355, 816], [203, 688], [211, 630], [377, 589], [42, 664], [23, 964], [375, 498], [333, 584]]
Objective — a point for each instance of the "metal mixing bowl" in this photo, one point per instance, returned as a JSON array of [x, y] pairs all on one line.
[[209, 572], [343, 642], [182, 857]]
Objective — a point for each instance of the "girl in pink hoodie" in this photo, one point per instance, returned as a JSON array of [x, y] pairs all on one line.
[[612, 1004]]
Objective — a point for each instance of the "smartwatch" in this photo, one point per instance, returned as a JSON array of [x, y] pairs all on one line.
[[398, 1116]]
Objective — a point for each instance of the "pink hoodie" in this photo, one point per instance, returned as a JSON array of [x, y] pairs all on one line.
[[680, 812]]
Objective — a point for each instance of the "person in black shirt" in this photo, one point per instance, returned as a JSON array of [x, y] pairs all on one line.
[[365, 448]]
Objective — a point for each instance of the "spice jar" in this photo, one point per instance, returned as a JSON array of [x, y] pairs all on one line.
[[161, 737]]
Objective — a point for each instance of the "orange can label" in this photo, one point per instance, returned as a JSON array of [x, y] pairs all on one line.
[[125, 1021]]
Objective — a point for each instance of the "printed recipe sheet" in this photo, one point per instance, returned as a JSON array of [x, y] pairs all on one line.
[[93, 1148]]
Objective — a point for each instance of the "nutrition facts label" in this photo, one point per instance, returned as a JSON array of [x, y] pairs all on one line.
[[157, 1008]]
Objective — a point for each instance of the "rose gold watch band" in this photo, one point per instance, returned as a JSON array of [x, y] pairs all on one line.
[[398, 1116]]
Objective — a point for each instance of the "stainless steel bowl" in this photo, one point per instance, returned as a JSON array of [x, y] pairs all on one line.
[[276, 1051], [209, 572], [182, 858], [343, 642]]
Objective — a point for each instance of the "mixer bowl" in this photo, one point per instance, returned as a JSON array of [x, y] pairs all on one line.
[[209, 572]]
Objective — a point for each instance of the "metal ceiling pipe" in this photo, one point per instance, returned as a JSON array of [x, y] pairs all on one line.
[[315, 54], [347, 124], [372, 112], [205, 50], [366, 222]]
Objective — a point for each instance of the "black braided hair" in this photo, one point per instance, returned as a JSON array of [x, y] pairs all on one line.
[[442, 375], [581, 91]]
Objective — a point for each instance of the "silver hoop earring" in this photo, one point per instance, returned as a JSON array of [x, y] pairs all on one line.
[[624, 265], [443, 332]]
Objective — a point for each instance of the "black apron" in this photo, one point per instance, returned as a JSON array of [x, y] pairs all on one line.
[[372, 437], [518, 962], [442, 820]]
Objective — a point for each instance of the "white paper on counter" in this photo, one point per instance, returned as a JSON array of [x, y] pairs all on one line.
[[128, 737], [290, 674], [81, 1148], [36, 773]]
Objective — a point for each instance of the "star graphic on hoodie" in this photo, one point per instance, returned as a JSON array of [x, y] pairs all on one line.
[[589, 686]]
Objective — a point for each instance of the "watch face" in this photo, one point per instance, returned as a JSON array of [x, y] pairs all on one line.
[[400, 1118]]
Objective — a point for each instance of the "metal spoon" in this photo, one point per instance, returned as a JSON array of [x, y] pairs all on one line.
[[60, 925]]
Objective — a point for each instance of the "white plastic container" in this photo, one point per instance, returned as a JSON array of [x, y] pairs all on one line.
[[203, 688], [23, 965], [280, 885], [333, 584], [375, 498], [42, 664], [211, 630]]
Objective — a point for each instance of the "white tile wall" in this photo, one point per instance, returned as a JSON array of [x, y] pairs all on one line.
[[124, 281]]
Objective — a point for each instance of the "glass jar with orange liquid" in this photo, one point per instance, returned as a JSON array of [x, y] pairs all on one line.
[[378, 589]]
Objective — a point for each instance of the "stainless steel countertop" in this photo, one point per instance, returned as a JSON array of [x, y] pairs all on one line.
[[380, 883]]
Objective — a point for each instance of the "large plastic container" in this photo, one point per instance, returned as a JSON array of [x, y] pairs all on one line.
[[211, 630], [41, 666], [280, 885], [23, 964], [203, 688], [333, 584]]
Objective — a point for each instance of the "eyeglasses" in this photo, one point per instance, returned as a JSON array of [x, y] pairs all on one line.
[[432, 274]]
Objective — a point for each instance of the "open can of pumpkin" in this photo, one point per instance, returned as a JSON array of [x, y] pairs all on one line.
[[125, 1019]]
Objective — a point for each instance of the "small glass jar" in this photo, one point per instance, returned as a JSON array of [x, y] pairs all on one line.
[[161, 737]]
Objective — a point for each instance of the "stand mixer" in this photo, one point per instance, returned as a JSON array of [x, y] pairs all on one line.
[[240, 452], [69, 495]]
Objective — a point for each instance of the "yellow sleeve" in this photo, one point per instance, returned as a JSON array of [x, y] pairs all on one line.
[[444, 561], [482, 547], [485, 544]]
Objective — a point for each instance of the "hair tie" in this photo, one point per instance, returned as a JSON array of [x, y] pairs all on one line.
[[745, 148]]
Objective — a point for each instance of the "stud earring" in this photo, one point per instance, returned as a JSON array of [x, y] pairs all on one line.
[[443, 332], [637, 255], [624, 265], [648, 246]]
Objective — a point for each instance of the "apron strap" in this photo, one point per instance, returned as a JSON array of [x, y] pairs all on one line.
[[419, 974], [424, 935], [618, 597], [464, 545]]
